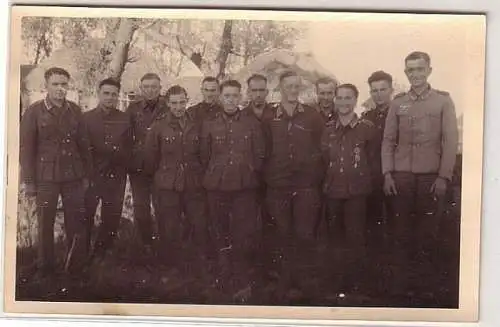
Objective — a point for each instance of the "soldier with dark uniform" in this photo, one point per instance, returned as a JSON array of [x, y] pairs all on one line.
[[348, 151], [143, 112], [418, 156], [110, 134], [232, 150], [257, 94], [259, 108], [210, 105], [55, 160], [293, 175], [325, 93], [379, 205], [173, 157]]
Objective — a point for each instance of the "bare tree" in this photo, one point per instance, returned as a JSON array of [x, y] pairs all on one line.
[[226, 47]]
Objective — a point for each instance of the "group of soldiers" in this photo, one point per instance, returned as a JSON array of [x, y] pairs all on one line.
[[244, 189]]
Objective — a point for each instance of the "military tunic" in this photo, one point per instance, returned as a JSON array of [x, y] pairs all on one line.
[[173, 158], [55, 158], [420, 144], [232, 150], [143, 113], [293, 174], [379, 205], [204, 110], [110, 134], [349, 152]]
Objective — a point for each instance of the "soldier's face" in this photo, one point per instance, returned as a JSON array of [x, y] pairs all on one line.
[[150, 88], [57, 87], [381, 92], [210, 91], [177, 104], [108, 96], [345, 101], [290, 88], [325, 94], [257, 91], [418, 72], [230, 98]]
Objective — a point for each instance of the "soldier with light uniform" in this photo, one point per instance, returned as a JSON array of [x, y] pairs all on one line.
[[348, 150], [418, 156], [325, 93], [379, 206]]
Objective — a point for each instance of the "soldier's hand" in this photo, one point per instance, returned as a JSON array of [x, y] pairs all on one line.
[[439, 187], [30, 189], [389, 185]]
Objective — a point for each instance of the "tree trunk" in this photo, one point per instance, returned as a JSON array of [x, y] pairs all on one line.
[[225, 49], [122, 45]]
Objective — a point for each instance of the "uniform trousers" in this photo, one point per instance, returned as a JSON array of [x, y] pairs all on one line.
[[235, 228], [295, 211], [417, 216], [110, 191], [379, 213], [74, 223], [175, 211], [142, 191]]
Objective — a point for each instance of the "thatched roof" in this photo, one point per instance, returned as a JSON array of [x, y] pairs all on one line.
[[273, 63]]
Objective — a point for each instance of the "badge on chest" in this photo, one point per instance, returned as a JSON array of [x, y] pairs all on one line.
[[404, 108]]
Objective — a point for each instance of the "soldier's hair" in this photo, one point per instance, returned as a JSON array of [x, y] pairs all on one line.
[[415, 55], [230, 83], [150, 76], [110, 81], [173, 90], [288, 73], [380, 75], [56, 71], [325, 80], [209, 79], [257, 77], [348, 86]]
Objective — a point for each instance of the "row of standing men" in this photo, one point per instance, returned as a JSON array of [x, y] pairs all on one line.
[[252, 186]]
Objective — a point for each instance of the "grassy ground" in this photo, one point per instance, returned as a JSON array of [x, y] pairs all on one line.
[[121, 278]]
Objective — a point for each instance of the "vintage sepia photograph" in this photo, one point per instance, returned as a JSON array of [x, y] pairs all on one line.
[[263, 164]]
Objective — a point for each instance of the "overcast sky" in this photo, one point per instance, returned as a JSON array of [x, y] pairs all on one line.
[[353, 47]]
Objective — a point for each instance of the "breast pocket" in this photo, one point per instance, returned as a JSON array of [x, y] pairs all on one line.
[[432, 124]]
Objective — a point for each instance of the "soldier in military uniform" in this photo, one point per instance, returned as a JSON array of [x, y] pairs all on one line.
[[379, 205], [55, 160], [418, 156], [210, 105], [173, 157], [110, 134], [325, 93], [259, 108], [293, 175], [143, 112], [232, 150], [348, 150]]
